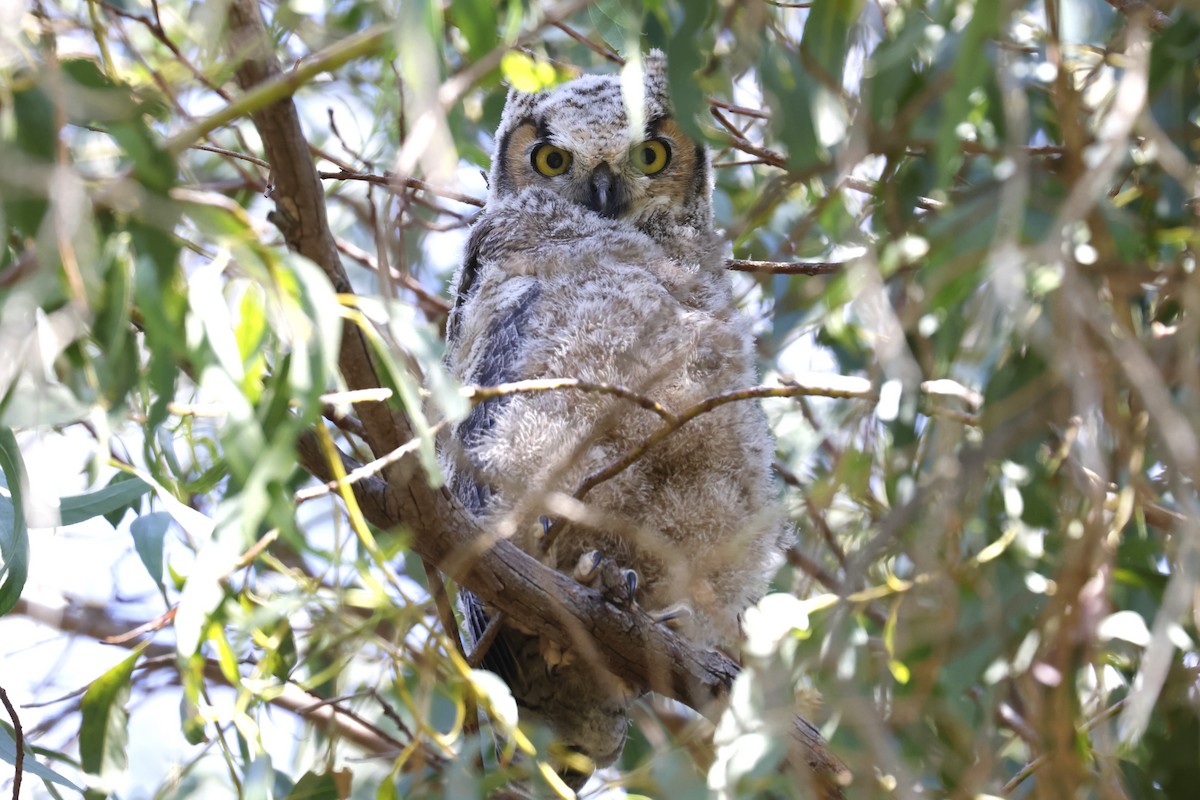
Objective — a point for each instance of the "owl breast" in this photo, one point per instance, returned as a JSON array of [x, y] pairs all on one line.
[[559, 292]]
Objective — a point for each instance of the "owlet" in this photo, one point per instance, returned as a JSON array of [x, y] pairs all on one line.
[[595, 258]]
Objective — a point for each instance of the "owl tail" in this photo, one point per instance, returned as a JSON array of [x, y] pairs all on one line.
[[586, 708]]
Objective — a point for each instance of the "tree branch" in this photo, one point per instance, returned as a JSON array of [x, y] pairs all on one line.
[[18, 742], [549, 603], [1154, 19], [96, 621]]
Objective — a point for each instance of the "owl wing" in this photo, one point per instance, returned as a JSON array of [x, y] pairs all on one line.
[[501, 346]]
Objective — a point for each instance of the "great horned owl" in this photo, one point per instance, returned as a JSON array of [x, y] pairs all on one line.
[[596, 259]]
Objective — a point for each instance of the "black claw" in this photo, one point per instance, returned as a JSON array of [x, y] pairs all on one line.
[[631, 581]]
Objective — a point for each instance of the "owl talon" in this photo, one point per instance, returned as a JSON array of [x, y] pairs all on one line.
[[631, 581], [673, 616], [588, 567]]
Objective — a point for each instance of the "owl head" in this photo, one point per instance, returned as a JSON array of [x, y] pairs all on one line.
[[579, 140]]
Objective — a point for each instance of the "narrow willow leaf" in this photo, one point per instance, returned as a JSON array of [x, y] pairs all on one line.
[[322, 786], [970, 70], [104, 729], [117, 495], [476, 19], [30, 765], [148, 532], [826, 36], [14, 535]]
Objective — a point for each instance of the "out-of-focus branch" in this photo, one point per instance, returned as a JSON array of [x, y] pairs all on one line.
[[785, 267], [18, 742], [1154, 19], [96, 621]]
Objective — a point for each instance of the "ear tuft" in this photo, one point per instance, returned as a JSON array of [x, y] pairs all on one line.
[[517, 106], [658, 95]]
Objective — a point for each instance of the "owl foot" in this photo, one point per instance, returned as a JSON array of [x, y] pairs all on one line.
[[673, 616], [555, 655], [619, 586]]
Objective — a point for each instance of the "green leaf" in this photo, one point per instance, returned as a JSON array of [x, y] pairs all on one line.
[[103, 731], [36, 132], [191, 678], [148, 532], [393, 375], [969, 70], [322, 786], [476, 19], [118, 495], [792, 95], [14, 535], [826, 38], [117, 363], [684, 59], [8, 754]]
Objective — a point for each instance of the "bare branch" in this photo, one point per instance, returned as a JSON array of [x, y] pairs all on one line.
[[19, 742], [97, 622], [786, 268], [599, 49], [390, 180], [1154, 19], [479, 393]]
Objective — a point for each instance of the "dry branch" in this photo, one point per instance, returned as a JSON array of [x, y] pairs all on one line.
[[18, 742], [545, 601]]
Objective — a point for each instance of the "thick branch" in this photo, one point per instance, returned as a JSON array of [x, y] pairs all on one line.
[[547, 602], [1154, 19]]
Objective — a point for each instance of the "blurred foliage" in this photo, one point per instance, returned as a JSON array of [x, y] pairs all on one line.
[[994, 588]]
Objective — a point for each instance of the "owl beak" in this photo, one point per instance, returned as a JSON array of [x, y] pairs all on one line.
[[605, 195]]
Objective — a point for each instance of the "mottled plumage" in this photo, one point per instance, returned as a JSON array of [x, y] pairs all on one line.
[[595, 260]]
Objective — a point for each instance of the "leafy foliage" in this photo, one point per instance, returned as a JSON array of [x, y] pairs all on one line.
[[994, 587]]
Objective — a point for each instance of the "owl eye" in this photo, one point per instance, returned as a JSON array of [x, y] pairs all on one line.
[[652, 156], [549, 160]]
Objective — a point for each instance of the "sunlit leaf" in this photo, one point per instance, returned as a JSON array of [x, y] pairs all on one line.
[[103, 732]]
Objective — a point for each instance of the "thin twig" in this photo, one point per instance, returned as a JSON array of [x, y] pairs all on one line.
[[786, 268], [839, 387], [390, 713], [599, 49], [433, 305], [757, 113], [232, 154], [441, 600], [19, 737], [485, 641], [389, 179], [366, 470], [1037, 762], [480, 393]]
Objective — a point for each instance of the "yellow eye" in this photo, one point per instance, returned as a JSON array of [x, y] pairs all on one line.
[[652, 156], [549, 160]]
